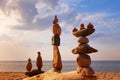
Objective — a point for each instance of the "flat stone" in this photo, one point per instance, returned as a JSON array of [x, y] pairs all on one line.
[[83, 40], [33, 73], [83, 32], [85, 48], [83, 60]]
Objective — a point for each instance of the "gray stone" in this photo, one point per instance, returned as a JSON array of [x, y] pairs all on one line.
[[56, 40]]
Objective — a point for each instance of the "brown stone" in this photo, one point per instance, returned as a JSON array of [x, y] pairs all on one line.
[[56, 40], [83, 60], [56, 27], [29, 65], [90, 25], [83, 32], [83, 40], [57, 63], [74, 30], [85, 71], [82, 26], [39, 61], [83, 48]]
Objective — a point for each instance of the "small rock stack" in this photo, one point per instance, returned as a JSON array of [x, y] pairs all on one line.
[[83, 60], [56, 29], [38, 64], [29, 65]]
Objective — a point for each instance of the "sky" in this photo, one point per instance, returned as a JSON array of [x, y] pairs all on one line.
[[25, 28]]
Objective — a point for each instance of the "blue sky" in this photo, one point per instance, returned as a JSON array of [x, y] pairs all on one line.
[[26, 27]]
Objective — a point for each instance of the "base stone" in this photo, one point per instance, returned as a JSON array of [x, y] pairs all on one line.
[[85, 71], [83, 60]]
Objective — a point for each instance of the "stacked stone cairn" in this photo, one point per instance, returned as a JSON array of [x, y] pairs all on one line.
[[56, 29], [38, 64], [83, 60], [29, 65]]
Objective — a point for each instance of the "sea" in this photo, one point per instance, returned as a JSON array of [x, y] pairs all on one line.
[[98, 66]]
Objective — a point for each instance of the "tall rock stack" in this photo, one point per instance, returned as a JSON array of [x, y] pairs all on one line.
[[83, 49], [56, 29]]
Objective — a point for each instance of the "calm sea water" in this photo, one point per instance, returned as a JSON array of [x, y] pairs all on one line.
[[98, 66]]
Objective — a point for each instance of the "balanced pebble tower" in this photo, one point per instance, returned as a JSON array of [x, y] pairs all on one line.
[[83, 49], [29, 65], [56, 29]]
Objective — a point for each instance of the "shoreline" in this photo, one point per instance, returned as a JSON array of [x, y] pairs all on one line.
[[21, 75]]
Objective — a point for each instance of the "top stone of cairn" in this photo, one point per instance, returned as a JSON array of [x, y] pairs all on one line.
[[56, 29], [83, 31]]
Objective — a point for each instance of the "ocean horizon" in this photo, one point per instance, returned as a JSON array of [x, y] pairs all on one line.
[[98, 66]]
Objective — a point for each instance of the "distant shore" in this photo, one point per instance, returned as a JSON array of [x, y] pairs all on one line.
[[21, 75]]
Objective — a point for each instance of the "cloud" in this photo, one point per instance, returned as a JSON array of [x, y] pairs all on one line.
[[4, 37], [29, 12], [3, 4], [38, 15]]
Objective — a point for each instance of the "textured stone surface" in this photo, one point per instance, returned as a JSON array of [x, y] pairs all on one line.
[[83, 48], [83, 60], [57, 63], [39, 63], [29, 65], [85, 71], [56, 40], [56, 29], [83, 32], [83, 40]]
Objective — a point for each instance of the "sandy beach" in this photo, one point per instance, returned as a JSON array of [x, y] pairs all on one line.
[[12, 75], [21, 75]]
